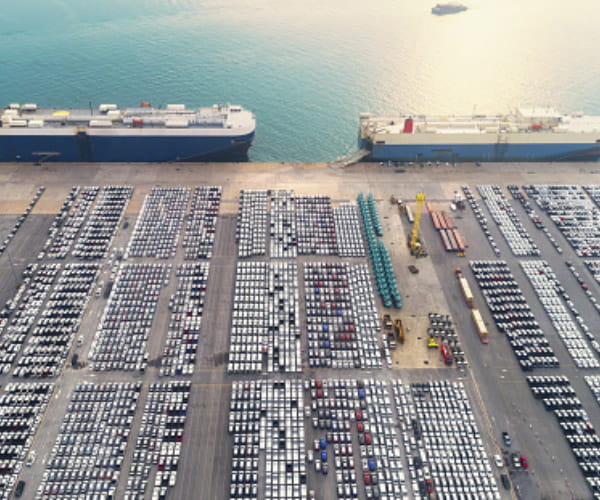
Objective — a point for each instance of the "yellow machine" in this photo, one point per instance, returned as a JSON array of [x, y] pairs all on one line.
[[399, 331], [394, 200], [416, 248], [432, 343], [387, 322]]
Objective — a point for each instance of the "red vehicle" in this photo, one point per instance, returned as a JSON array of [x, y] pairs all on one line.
[[524, 462], [367, 478], [446, 354]]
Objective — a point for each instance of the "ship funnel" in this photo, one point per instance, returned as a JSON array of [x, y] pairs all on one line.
[[408, 126]]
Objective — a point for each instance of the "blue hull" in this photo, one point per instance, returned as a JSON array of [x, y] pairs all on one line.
[[484, 152], [85, 148]]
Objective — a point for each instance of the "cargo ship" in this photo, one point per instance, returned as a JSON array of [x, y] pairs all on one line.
[[527, 134], [442, 9], [138, 134]]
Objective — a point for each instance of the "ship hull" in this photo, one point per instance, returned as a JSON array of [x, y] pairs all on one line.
[[483, 152], [107, 147]]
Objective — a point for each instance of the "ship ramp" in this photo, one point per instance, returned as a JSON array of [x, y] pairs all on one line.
[[350, 159]]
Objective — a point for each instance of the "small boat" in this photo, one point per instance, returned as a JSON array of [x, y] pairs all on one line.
[[441, 9]]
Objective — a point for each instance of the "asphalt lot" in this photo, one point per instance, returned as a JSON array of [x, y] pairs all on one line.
[[496, 386]]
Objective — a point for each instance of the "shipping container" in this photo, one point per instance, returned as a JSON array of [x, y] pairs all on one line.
[[449, 221], [459, 240], [434, 220], [451, 241], [466, 290], [480, 326], [409, 214], [445, 241]]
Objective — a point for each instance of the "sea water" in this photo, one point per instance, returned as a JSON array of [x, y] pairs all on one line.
[[306, 68]]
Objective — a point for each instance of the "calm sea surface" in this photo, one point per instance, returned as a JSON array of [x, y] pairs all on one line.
[[306, 68]]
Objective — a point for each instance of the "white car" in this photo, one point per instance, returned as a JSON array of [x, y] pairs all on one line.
[[499, 461]]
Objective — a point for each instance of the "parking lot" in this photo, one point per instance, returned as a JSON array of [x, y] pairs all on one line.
[[174, 440]]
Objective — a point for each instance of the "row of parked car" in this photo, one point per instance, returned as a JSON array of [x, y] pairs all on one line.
[[157, 228], [509, 224], [69, 220], [120, 341], [445, 451], [201, 223], [575, 215], [354, 432], [251, 228], [555, 301], [186, 306], [594, 268], [366, 318], [21, 408], [350, 242], [481, 218], [593, 382], [298, 225], [159, 441], [87, 457], [512, 314], [19, 313], [265, 319], [50, 341], [315, 226], [102, 223], [558, 396], [283, 225], [528, 206], [341, 316], [265, 421], [21, 219]]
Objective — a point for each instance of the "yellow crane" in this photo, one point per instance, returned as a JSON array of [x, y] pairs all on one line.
[[415, 245]]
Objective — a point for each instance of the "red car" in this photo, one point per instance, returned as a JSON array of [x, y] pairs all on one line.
[[367, 478], [524, 462]]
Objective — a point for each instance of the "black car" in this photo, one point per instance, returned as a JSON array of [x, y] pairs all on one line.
[[505, 481], [19, 489]]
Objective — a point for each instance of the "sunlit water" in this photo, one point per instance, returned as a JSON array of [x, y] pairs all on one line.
[[306, 68]]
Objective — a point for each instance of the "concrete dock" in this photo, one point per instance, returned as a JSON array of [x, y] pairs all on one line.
[[494, 381]]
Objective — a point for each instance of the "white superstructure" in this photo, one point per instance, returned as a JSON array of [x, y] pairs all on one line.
[[535, 127]]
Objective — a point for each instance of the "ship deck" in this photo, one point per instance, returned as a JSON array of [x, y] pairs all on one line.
[[146, 117], [484, 124]]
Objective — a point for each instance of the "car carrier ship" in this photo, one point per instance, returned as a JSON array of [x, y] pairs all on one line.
[[527, 134], [139, 134]]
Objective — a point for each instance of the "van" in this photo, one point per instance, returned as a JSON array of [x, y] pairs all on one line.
[[19, 489]]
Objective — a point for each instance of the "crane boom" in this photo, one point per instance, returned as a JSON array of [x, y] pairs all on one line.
[[414, 240]]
